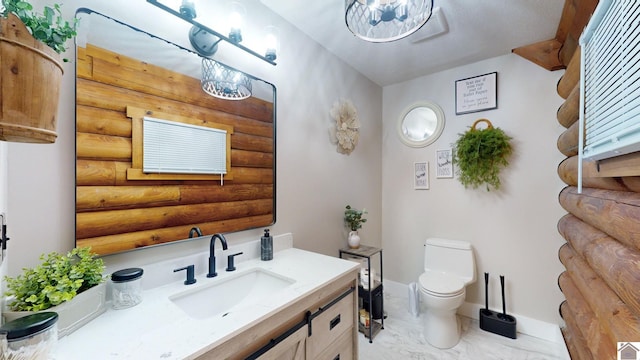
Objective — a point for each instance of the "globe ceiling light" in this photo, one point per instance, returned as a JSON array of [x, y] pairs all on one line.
[[386, 20], [223, 82]]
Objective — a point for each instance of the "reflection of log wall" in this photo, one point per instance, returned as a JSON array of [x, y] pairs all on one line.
[[602, 254], [114, 214]]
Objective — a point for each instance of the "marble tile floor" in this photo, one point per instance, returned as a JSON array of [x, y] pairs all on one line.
[[402, 338]]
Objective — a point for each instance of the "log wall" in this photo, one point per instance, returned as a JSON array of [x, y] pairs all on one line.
[[601, 283], [115, 213]]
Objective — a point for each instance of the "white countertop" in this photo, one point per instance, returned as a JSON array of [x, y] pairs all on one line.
[[158, 329]]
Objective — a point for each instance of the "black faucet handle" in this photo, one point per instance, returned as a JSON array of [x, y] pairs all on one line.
[[191, 279], [230, 264]]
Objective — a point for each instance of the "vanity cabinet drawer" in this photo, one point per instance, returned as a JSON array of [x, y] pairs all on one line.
[[335, 322], [341, 349]]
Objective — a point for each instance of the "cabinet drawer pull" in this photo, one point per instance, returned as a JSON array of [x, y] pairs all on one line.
[[337, 357], [333, 323]]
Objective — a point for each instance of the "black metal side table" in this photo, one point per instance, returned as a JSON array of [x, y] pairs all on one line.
[[373, 291]]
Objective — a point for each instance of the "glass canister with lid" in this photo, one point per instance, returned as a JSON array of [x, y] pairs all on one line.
[[32, 337], [126, 289]]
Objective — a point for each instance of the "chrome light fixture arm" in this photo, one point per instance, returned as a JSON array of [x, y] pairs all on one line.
[[188, 14]]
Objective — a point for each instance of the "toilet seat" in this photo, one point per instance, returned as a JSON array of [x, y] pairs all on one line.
[[441, 284]]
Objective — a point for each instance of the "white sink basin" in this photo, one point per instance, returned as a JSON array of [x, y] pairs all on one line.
[[249, 287]]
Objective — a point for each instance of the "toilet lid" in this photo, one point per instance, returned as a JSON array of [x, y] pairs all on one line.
[[441, 283]]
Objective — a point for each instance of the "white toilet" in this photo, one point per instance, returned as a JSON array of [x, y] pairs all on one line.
[[449, 266]]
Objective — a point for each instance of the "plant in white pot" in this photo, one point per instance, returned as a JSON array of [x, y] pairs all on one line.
[[30, 44], [71, 285], [353, 219]]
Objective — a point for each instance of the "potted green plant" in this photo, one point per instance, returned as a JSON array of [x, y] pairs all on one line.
[[71, 285], [31, 43], [480, 154], [49, 27], [353, 219]]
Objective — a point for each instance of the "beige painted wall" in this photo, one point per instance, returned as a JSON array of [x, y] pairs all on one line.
[[513, 231], [314, 182]]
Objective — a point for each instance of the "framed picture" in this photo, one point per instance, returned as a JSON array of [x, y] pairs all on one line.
[[477, 93], [421, 175], [444, 163]]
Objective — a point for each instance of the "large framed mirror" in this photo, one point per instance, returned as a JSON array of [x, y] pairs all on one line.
[[123, 75], [421, 124]]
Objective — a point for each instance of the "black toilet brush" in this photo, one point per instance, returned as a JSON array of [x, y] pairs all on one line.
[[497, 323]]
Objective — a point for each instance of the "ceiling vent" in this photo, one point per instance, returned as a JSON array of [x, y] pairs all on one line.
[[436, 26]]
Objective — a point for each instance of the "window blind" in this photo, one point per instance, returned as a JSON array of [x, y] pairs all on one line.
[[173, 147], [611, 80]]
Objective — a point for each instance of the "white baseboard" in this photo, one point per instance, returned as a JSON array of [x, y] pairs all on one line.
[[525, 325]]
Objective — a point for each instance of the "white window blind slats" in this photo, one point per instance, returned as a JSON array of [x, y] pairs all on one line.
[[611, 82], [173, 147]]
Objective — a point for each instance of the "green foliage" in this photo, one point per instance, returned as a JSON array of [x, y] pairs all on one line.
[[480, 155], [57, 279], [353, 218], [49, 27]]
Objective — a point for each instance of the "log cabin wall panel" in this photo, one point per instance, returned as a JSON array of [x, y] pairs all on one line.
[[114, 214], [602, 253]]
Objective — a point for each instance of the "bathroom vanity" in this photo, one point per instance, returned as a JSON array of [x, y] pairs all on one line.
[[300, 305]]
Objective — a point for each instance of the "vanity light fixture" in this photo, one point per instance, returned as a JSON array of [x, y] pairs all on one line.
[[386, 20], [223, 82], [203, 38]]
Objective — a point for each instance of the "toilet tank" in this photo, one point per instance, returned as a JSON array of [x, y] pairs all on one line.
[[450, 256]]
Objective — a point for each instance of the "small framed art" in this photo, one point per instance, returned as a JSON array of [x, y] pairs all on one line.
[[444, 163], [421, 175]]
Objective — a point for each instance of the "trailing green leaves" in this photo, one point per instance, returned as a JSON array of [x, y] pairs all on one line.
[[480, 155], [49, 27], [58, 278]]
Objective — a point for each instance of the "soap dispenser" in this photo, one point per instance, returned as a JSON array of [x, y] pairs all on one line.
[[266, 246]]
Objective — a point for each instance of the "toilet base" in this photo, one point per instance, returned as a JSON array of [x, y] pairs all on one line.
[[442, 329]]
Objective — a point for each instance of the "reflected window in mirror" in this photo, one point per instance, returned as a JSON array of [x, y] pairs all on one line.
[[421, 124], [118, 68]]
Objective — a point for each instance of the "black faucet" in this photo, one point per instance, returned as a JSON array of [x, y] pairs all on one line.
[[212, 256], [195, 230], [191, 279]]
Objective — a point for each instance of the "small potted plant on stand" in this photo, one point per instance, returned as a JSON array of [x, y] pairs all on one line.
[[30, 45], [71, 285], [353, 219]]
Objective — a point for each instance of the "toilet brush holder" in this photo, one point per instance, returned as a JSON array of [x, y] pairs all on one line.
[[498, 323], [495, 322]]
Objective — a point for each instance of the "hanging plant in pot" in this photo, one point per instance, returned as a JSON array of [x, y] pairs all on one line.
[[353, 219], [480, 154], [31, 70]]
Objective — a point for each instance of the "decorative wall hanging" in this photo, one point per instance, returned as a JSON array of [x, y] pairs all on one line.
[[477, 93], [444, 163], [345, 132], [480, 154], [421, 175]]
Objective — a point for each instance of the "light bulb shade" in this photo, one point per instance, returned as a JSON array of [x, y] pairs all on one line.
[[386, 20], [223, 82], [271, 42], [237, 13]]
